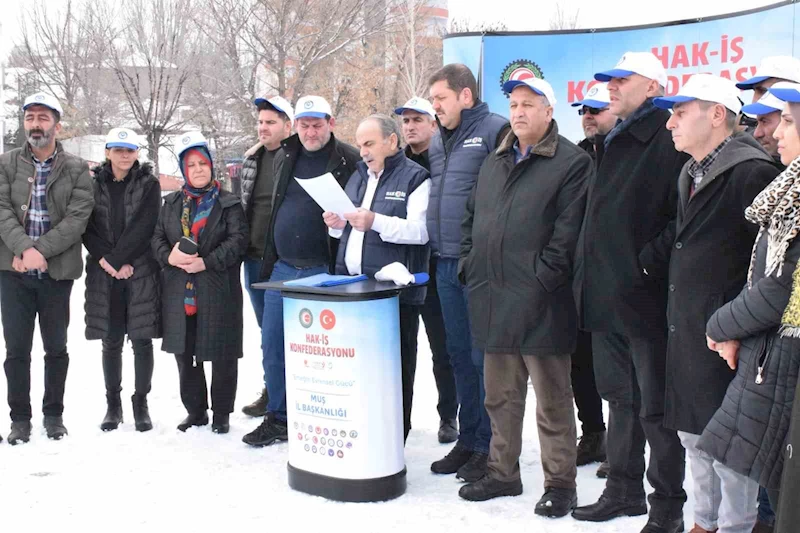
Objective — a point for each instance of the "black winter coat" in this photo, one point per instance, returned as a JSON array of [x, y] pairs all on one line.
[[144, 304], [518, 244], [748, 432], [631, 199], [710, 245], [788, 510], [342, 164], [219, 290]]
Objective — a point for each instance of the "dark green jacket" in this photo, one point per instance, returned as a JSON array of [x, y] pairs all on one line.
[[70, 200]]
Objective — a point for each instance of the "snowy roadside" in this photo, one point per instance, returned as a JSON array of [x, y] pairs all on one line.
[[199, 481]]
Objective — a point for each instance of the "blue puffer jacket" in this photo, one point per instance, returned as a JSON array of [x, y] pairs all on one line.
[[454, 170]]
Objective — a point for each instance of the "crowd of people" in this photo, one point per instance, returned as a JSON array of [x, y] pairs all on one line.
[[653, 265]]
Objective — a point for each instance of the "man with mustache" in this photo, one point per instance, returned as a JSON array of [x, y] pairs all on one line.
[[46, 198]]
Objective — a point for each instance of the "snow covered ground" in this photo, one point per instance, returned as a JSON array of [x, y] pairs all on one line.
[[198, 481]]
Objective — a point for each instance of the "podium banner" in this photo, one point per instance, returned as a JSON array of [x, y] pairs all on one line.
[[343, 388]]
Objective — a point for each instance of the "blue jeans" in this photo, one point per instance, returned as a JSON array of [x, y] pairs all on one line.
[[475, 430], [252, 271], [765, 513], [272, 336]]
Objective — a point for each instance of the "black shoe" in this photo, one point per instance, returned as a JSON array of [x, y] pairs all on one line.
[[268, 432], [663, 524], [200, 419], [474, 468], [113, 417], [141, 413], [591, 448], [54, 427], [602, 470], [258, 408], [608, 508], [448, 431], [556, 502], [761, 527], [487, 488], [20, 432], [221, 423], [451, 462]]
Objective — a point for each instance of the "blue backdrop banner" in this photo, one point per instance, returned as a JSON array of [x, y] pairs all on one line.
[[730, 46]]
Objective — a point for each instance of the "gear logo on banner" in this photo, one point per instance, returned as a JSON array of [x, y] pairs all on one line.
[[520, 69], [306, 318]]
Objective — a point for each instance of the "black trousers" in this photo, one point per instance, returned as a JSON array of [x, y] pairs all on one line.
[[22, 297], [630, 376], [431, 312], [194, 391], [409, 329], [113, 343], [584, 388]]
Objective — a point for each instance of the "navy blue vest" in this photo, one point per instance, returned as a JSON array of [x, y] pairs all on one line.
[[454, 170], [400, 178]]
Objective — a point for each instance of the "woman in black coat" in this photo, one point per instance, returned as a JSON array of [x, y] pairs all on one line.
[[122, 276], [202, 294], [757, 333]]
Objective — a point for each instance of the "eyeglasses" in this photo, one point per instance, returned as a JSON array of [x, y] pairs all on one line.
[[591, 110], [750, 122]]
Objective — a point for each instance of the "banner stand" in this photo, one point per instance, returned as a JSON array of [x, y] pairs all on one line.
[[343, 390]]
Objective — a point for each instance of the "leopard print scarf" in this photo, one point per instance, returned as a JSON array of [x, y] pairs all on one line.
[[776, 210]]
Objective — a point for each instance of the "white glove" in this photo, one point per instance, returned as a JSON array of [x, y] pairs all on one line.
[[396, 272]]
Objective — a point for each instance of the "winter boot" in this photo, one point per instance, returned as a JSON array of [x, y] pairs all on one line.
[[221, 423], [113, 416], [474, 468], [269, 431], [141, 413], [487, 488], [591, 448], [556, 502], [602, 470], [448, 430], [54, 427], [20, 432], [451, 462], [258, 408], [198, 419]]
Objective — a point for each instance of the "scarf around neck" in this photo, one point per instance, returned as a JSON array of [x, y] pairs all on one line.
[[776, 210], [197, 205]]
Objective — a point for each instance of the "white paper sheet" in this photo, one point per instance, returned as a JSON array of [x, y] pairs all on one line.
[[327, 192]]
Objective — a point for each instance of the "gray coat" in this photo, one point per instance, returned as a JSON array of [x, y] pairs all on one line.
[[70, 200]]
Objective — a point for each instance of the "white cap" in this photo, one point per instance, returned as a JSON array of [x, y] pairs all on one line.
[[279, 104], [783, 67], [537, 85], [192, 139], [767, 104], [786, 91], [597, 97], [312, 106], [708, 88], [122, 138], [420, 105], [641, 63], [42, 98]]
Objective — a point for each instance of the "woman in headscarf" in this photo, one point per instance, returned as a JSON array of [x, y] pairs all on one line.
[[201, 291], [122, 276], [757, 332]]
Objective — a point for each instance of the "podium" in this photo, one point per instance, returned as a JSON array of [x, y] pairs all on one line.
[[343, 390]]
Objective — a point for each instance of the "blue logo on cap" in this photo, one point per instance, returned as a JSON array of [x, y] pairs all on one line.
[[413, 101], [186, 140], [39, 97], [593, 91], [308, 105], [123, 134]]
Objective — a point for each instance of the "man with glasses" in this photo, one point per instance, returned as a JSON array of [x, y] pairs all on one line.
[[596, 119]]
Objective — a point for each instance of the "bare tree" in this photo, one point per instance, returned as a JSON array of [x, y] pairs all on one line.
[[59, 48], [417, 49], [152, 54], [469, 25], [563, 19]]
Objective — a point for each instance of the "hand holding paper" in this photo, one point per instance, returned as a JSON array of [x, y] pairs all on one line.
[[328, 194]]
